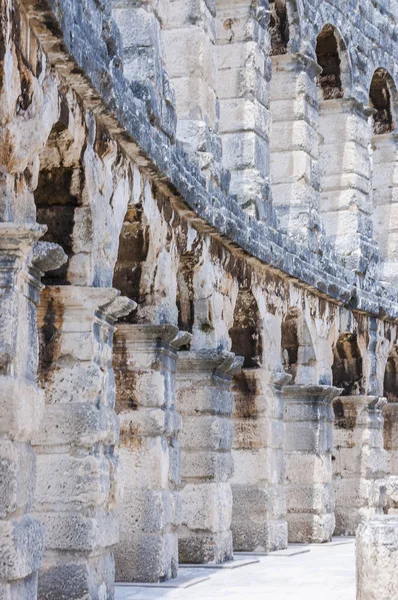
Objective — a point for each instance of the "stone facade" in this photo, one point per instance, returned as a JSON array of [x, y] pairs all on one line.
[[198, 252]]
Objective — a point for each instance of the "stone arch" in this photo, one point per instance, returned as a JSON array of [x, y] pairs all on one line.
[[245, 332], [390, 384], [335, 80], [59, 197], [298, 353], [132, 253], [383, 99], [347, 368], [284, 26]]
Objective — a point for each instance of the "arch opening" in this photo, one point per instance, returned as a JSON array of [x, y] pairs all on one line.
[[391, 376], [298, 354], [132, 253], [245, 332], [347, 365], [59, 194], [380, 96], [279, 27], [328, 58]]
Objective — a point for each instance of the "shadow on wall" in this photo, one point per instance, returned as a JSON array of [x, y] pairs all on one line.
[[298, 354], [347, 365], [245, 332]]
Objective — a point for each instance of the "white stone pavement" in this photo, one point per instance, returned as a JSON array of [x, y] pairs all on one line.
[[327, 572]]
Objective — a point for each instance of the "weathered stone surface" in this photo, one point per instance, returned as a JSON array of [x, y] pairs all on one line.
[[377, 558], [308, 450], [145, 364], [204, 535], [359, 460]]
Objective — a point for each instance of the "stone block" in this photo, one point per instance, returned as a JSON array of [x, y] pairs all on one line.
[[205, 548], [377, 559], [148, 558], [309, 528], [207, 507], [21, 548], [17, 461]]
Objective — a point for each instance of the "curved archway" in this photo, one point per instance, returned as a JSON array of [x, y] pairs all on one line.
[[390, 385], [59, 195], [347, 365], [298, 354], [245, 332], [383, 98]]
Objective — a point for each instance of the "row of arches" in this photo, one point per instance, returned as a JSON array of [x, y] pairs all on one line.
[[341, 153], [298, 356]]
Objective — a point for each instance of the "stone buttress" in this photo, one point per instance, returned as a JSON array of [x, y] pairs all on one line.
[[204, 400]]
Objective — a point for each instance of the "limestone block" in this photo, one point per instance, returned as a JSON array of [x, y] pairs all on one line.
[[21, 548], [82, 424], [377, 559], [207, 506], [211, 432], [205, 548], [21, 408], [16, 489], [68, 480], [155, 558], [304, 528], [214, 466]]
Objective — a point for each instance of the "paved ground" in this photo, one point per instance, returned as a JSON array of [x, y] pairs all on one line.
[[325, 573]]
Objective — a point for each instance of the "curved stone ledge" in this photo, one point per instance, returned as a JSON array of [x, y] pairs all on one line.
[[70, 40]]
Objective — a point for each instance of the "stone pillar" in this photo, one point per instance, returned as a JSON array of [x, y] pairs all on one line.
[[188, 34], [258, 482], [390, 413], [308, 451], [244, 71], [145, 365], [77, 483], [359, 460], [139, 24], [385, 202], [294, 146], [21, 410], [377, 559], [345, 170], [204, 400]]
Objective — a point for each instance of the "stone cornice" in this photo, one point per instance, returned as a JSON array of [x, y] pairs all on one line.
[[82, 57]]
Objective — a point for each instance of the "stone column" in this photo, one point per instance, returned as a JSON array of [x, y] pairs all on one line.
[[377, 558], [258, 482], [204, 400], [390, 413], [345, 170], [145, 364], [139, 24], [359, 460], [244, 71], [308, 451], [294, 145], [385, 202], [77, 484], [21, 410], [188, 35]]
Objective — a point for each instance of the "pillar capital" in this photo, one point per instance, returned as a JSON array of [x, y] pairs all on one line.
[[311, 393], [214, 362]]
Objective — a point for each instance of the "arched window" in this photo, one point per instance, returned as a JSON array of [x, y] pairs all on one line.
[[391, 376], [278, 27], [344, 164], [133, 251], [59, 195], [293, 137], [384, 153], [245, 333], [347, 365], [298, 354]]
